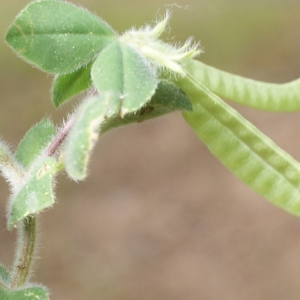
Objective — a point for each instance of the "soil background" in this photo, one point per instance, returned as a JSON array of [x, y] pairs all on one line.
[[159, 218]]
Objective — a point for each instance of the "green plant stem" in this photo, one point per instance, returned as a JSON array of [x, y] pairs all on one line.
[[59, 138], [25, 247], [26, 236], [64, 130]]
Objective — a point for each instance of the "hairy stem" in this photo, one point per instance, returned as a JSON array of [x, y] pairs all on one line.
[[63, 132], [24, 252], [59, 138]]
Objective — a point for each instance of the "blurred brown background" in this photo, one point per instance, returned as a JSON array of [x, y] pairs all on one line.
[[159, 218]]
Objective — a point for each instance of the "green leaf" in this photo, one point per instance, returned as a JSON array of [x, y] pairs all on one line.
[[242, 148], [100, 113], [119, 68], [167, 98], [84, 132], [4, 277], [34, 141], [36, 194], [256, 94], [57, 36], [68, 85], [32, 293]]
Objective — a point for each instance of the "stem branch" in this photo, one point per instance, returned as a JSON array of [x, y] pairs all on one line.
[[26, 239], [24, 252]]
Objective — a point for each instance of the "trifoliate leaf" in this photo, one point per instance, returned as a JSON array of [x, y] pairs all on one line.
[[58, 37], [122, 70]]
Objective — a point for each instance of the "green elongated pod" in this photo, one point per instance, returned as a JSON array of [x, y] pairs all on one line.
[[256, 94], [242, 148]]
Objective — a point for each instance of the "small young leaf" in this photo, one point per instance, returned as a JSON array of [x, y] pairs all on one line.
[[36, 138], [85, 130], [68, 85], [170, 97], [36, 194], [242, 148], [32, 293], [119, 68], [57, 36], [167, 98], [4, 277], [9, 167]]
